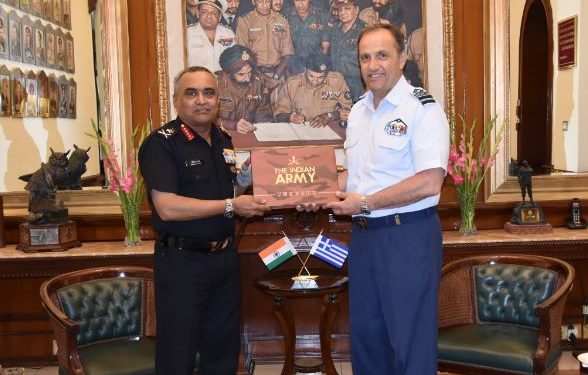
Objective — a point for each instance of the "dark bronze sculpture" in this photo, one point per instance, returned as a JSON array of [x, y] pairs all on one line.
[[59, 173], [526, 214]]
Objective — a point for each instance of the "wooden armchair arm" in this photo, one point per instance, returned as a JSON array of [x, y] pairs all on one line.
[[66, 331]]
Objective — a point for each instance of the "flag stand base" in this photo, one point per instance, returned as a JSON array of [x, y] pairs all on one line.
[[304, 277]]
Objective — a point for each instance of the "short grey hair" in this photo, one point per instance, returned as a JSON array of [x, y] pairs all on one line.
[[190, 69]]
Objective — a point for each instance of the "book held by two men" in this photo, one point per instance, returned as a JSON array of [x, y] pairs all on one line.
[[286, 177]]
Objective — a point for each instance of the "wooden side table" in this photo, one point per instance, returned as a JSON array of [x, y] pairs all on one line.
[[280, 286]]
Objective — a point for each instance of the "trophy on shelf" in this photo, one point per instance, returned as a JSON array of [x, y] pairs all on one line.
[[527, 216], [48, 226]]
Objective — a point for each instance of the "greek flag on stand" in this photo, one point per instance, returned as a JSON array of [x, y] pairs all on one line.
[[329, 251]]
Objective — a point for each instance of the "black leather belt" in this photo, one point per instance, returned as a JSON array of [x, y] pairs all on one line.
[[195, 245], [394, 219]]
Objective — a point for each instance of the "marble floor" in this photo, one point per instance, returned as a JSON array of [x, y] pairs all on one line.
[[567, 366]]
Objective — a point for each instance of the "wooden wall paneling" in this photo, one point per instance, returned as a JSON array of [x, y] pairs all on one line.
[[143, 56]]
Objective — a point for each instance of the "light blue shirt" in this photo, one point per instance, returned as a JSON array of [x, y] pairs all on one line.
[[407, 133]]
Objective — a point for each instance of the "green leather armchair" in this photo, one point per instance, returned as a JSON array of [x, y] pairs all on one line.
[[502, 314], [103, 320]]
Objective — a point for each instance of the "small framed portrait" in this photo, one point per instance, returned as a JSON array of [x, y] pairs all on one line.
[[25, 6], [43, 94], [31, 108], [36, 8], [57, 12], [48, 10], [50, 46], [69, 53], [67, 14], [14, 36], [19, 95], [5, 95], [28, 35], [3, 34], [71, 105], [40, 45], [63, 91], [59, 50], [53, 96]]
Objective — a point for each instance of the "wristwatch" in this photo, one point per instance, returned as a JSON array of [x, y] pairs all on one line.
[[363, 207], [276, 76], [229, 212]]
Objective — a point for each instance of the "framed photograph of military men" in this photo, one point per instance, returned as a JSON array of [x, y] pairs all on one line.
[[25, 5], [59, 50], [69, 53], [3, 34], [31, 108], [18, 93], [5, 95], [71, 104], [302, 62], [36, 8], [53, 96], [47, 10], [67, 14], [63, 90], [40, 45], [50, 46], [43, 100], [14, 34], [57, 12], [28, 31]]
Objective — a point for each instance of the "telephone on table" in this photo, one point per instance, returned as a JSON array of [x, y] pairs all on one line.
[[576, 221]]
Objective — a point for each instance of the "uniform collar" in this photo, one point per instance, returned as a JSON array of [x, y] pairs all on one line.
[[188, 134], [393, 97]]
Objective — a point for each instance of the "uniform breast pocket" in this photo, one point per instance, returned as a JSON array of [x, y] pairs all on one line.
[[195, 170], [393, 146]]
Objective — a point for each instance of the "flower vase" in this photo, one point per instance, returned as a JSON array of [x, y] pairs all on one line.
[[467, 206], [131, 214]]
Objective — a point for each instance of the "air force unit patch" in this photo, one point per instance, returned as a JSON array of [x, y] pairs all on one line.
[[396, 127], [423, 96]]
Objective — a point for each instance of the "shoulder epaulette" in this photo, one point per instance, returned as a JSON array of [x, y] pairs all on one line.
[[167, 131], [220, 127], [423, 96]]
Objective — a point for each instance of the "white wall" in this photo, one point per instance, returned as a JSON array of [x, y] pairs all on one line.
[[25, 142]]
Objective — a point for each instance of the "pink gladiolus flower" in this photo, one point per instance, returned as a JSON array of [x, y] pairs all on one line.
[[457, 179]]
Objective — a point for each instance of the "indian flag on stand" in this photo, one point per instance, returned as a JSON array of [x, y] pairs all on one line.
[[329, 251], [277, 253]]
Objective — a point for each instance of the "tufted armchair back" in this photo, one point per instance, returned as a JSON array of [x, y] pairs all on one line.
[[106, 309], [502, 314], [509, 293], [103, 319]]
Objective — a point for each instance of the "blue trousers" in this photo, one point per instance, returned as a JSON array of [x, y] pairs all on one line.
[[394, 275]]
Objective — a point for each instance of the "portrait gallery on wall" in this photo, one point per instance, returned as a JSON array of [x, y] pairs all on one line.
[[32, 33], [301, 30]]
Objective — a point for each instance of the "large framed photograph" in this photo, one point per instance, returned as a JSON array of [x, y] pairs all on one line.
[[3, 34], [312, 41]]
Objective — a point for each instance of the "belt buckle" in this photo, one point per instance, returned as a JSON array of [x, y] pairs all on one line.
[[362, 222]]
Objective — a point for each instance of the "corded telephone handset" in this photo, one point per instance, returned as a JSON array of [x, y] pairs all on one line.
[[576, 221]]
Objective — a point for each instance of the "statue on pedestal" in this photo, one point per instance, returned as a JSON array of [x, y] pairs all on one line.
[[48, 225], [527, 216]]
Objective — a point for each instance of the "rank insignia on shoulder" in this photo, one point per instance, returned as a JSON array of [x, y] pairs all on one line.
[[347, 95], [187, 132], [167, 132], [396, 127], [223, 130], [230, 156], [423, 96]]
